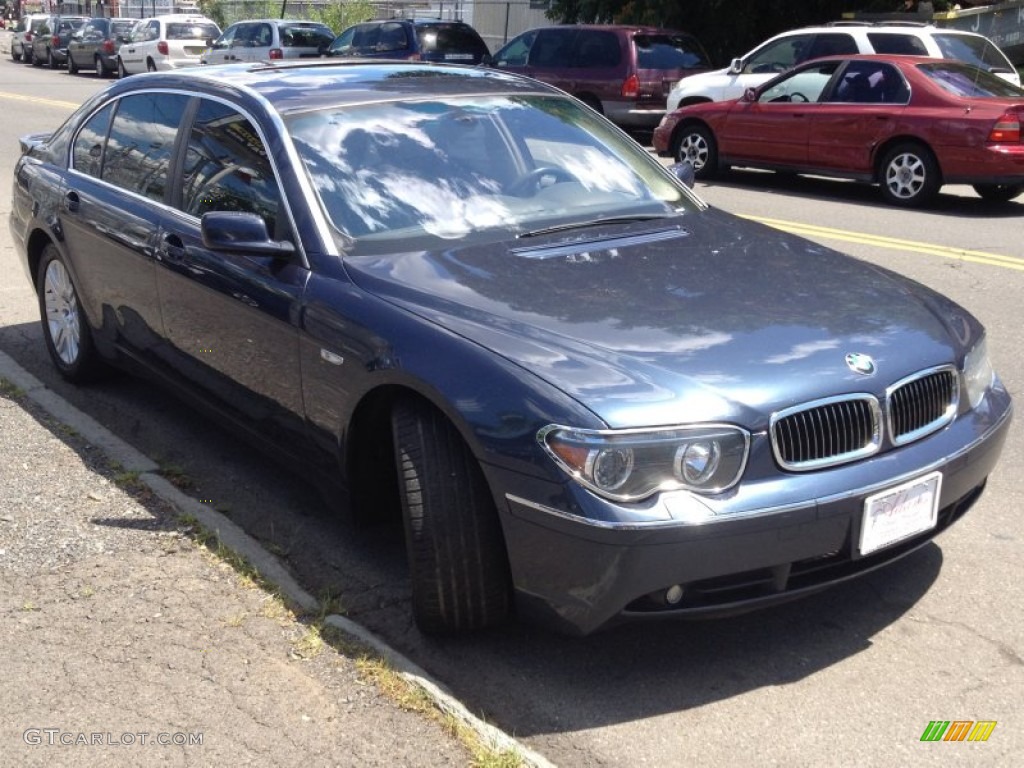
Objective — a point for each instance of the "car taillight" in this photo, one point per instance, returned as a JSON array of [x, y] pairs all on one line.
[[55, 41], [161, 48], [276, 53], [1006, 130], [28, 37], [631, 87], [108, 46]]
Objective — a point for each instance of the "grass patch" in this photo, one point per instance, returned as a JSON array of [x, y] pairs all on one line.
[[175, 475], [10, 390]]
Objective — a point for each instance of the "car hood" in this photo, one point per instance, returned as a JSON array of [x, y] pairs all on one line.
[[704, 317]]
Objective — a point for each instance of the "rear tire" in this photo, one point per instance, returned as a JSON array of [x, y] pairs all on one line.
[[72, 67], [998, 193], [150, 65], [65, 328], [457, 560], [50, 61], [696, 145], [909, 175], [121, 71]]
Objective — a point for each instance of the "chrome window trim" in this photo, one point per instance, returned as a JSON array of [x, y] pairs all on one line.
[[806, 466], [947, 417]]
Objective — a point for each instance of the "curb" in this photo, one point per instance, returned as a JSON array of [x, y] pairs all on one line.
[[236, 539]]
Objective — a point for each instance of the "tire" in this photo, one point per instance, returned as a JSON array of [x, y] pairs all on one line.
[[50, 61], [72, 67], [34, 61], [909, 175], [457, 561], [65, 329], [121, 71], [150, 65], [998, 193], [696, 145], [101, 69], [15, 56]]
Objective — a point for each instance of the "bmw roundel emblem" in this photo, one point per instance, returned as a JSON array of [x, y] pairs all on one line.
[[860, 363]]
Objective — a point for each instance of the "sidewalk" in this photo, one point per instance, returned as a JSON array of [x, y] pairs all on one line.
[[125, 642]]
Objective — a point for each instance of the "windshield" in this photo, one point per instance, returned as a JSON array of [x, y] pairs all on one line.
[[962, 80], [458, 167]]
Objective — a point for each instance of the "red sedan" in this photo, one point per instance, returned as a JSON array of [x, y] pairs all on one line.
[[908, 124]]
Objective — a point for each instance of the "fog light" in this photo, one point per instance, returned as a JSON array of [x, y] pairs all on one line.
[[673, 594]]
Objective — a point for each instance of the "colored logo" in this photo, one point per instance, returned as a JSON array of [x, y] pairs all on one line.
[[860, 363], [958, 730]]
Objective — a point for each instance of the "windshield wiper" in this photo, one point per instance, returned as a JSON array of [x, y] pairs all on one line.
[[585, 223]]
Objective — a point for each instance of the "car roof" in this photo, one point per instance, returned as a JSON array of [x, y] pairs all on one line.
[[872, 27], [302, 86]]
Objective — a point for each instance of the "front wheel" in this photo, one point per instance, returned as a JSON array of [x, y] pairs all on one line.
[[998, 193], [150, 65], [121, 71], [67, 334], [51, 62], [909, 175], [72, 67], [459, 569], [696, 145]]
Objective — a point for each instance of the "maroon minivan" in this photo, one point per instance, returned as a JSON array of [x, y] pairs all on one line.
[[624, 72]]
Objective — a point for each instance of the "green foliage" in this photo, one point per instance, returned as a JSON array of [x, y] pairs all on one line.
[[341, 15]]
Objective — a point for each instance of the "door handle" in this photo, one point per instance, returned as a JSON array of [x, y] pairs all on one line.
[[171, 250], [72, 201]]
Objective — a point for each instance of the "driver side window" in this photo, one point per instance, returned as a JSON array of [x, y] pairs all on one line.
[[778, 56]]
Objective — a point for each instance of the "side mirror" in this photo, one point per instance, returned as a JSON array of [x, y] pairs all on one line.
[[735, 66], [685, 172], [750, 94], [241, 232], [487, 60]]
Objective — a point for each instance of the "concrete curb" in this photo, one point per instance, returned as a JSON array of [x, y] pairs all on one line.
[[233, 537]]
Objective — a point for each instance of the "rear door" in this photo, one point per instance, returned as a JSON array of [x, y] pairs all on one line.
[[863, 107]]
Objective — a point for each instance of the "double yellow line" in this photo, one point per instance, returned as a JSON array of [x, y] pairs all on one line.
[[70, 105], [894, 244]]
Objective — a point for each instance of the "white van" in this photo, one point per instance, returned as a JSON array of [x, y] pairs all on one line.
[[788, 49]]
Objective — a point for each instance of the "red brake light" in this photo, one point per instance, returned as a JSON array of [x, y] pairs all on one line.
[[55, 41], [631, 87], [28, 37], [108, 46], [276, 53], [1006, 130], [161, 48]]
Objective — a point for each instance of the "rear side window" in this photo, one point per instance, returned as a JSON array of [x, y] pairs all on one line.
[[183, 31], [87, 152], [295, 36], [897, 45], [830, 44], [596, 50], [669, 52], [449, 38], [392, 38], [227, 168], [141, 142], [979, 51]]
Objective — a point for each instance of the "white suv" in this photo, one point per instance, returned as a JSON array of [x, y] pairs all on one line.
[[166, 42], [788, 49]]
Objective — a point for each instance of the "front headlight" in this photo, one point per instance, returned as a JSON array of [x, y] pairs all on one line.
[[979, 376], [629, 465]]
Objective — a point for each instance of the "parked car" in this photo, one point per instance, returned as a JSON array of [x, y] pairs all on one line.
[[467, 300], [50, 43], [269, 40], [24, 31], [166, 42], [454, 42], [786, 50], [908, 124], [95, 45], [623, 72]]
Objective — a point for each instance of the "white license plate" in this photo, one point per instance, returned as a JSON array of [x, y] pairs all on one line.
[[458, 56], [899, 513]]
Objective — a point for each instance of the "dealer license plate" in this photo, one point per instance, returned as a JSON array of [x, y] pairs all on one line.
[[899, 513]]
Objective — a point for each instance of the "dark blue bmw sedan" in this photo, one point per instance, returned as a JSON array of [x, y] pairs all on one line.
[[465, 297]]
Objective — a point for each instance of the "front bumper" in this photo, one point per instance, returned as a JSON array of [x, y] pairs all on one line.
[[769, 542]]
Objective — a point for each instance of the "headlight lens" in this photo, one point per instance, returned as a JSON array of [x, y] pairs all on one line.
[[629, 465], [979, 376]]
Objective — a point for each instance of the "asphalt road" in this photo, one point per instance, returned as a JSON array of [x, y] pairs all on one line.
[[850, 677]]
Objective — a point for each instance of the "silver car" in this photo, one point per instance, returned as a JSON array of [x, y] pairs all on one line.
[[269, 39]]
